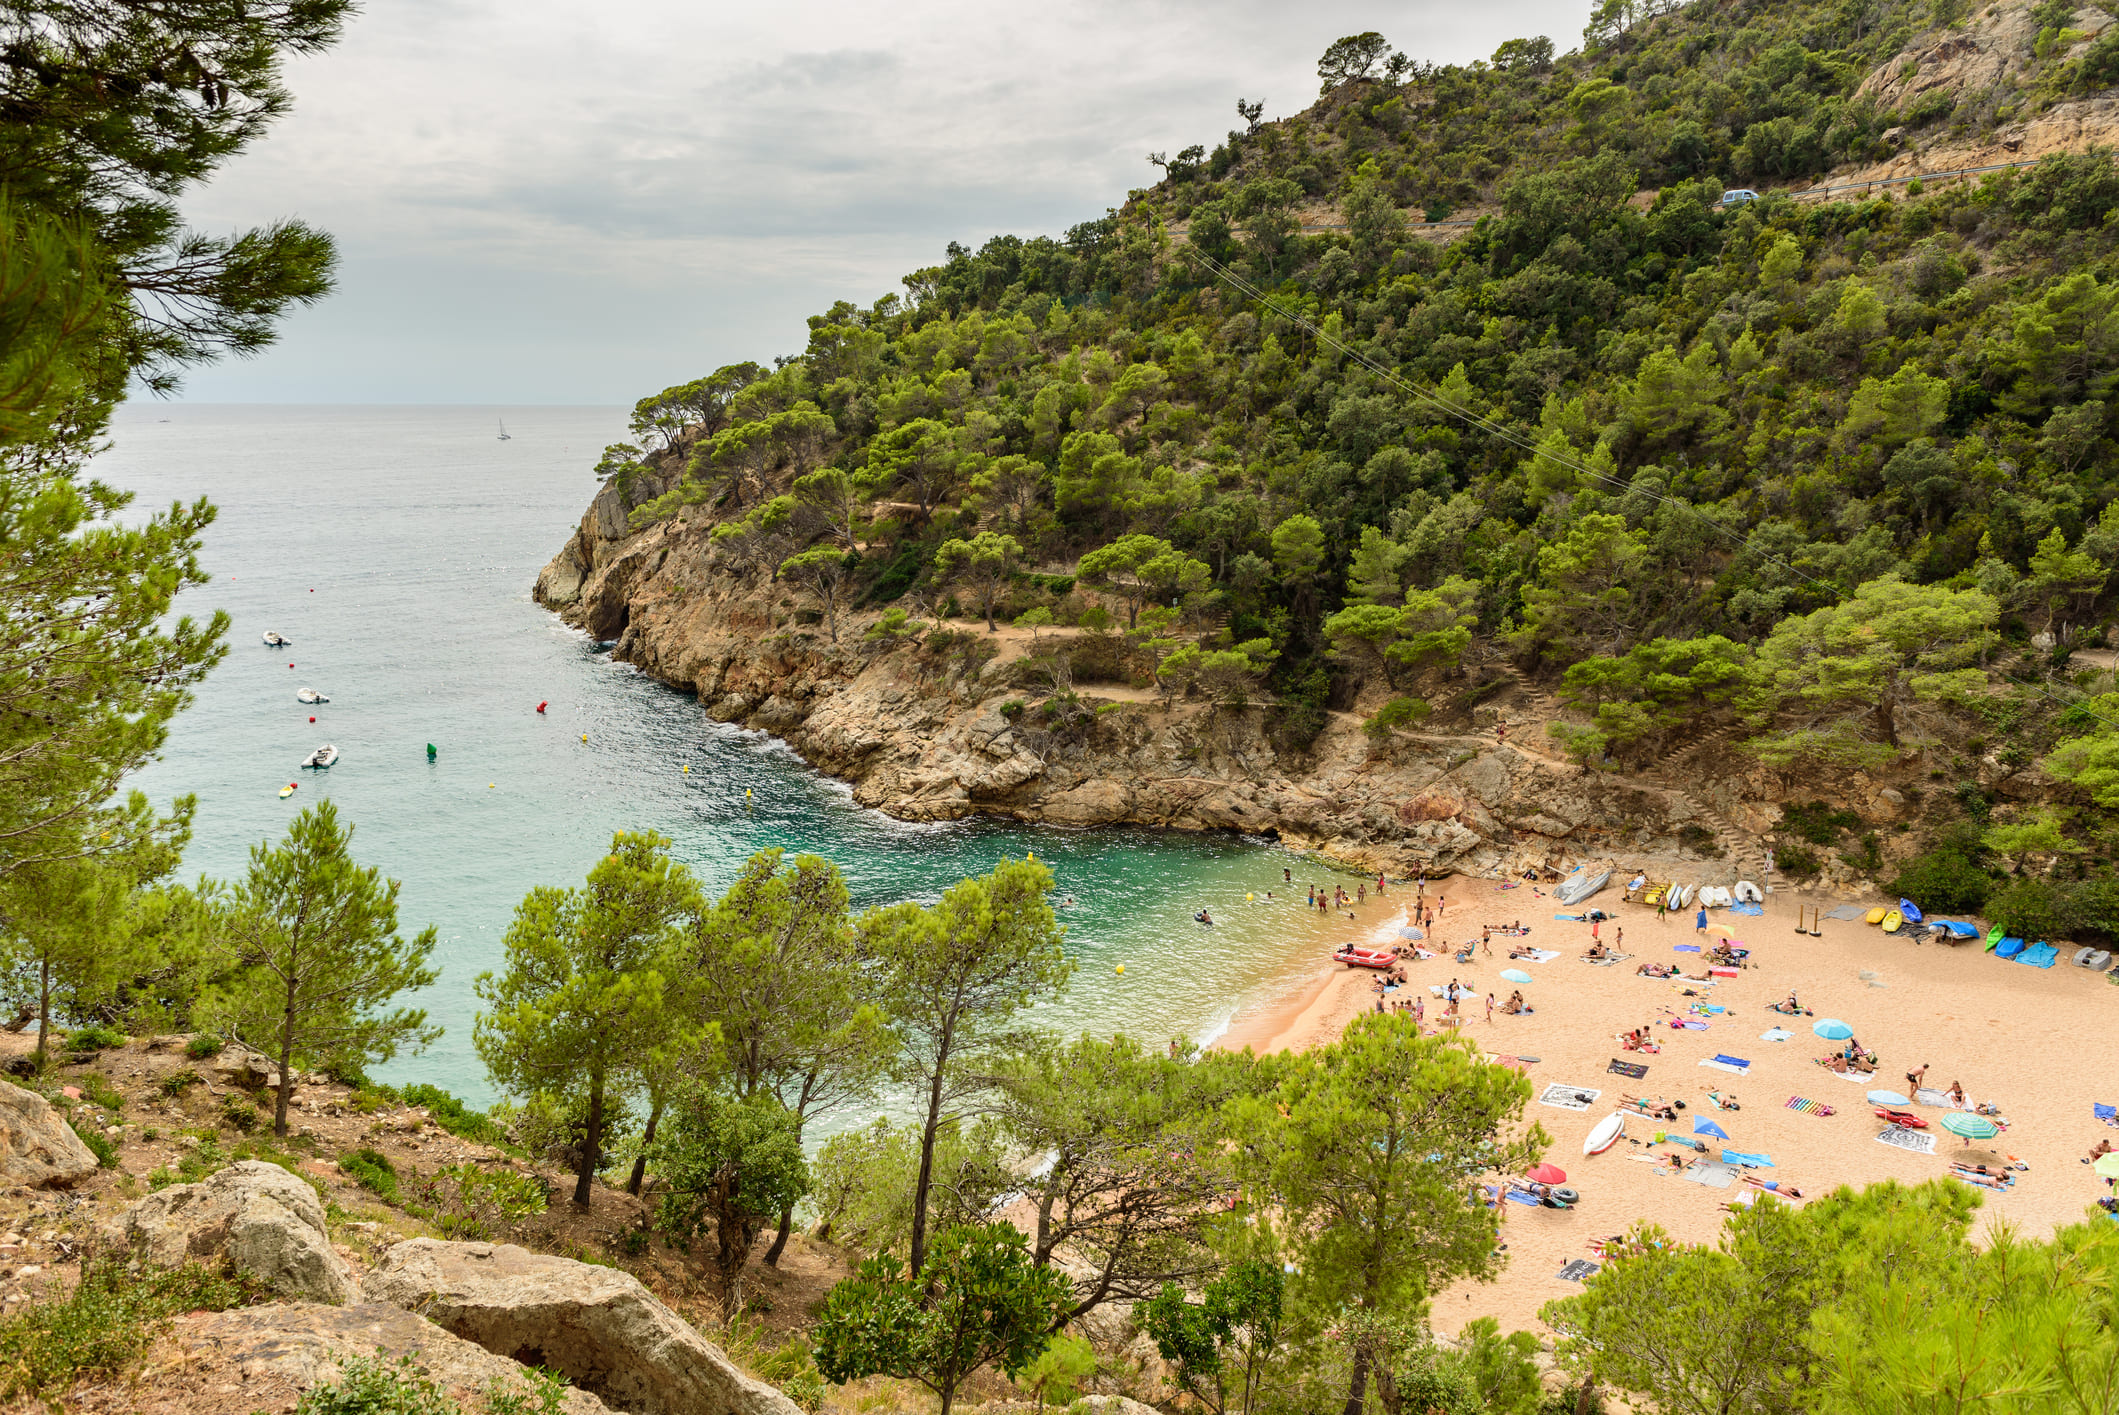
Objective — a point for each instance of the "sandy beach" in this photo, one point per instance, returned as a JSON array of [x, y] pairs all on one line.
[[2025, 1039]]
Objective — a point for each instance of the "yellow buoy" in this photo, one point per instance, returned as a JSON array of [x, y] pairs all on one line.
[[687, 768], [489, 786], [1121, 967], [1249, 898], [584, 736]]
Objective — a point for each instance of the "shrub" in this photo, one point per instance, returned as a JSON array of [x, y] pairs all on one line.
[[97, 1090], [1949, 878], [98, 1143], [1700, 840], [372, 1386], [239, 1113], [177, 1082], [464, 1201], [202, 1046], [1797, 862], [103, 1326], [454, 1116], [1398, 712], [1817, 823], [94, 1037], [372, 1170]]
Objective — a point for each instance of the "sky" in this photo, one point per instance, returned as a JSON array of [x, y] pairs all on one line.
[[548, 202]]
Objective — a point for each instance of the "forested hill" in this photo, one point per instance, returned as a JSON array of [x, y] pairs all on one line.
[[1734, 435]]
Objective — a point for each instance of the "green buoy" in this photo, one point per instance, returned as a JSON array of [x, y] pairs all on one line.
[[431, 754]]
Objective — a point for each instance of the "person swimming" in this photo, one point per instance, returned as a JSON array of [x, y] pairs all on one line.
[[1202, 917]]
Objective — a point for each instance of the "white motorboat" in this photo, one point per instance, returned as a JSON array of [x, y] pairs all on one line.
[[322, 757], [274, 640], [309, 695]]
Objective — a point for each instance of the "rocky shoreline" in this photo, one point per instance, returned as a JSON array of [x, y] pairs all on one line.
[[925, 736]]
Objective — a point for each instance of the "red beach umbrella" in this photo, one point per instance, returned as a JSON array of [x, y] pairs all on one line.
[[1546, 1174]]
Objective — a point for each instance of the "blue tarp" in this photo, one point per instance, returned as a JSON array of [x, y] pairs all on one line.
[[1730, 1060], [1738, 1157], [2008, 948], [1701, 1125], [1907, 908], [1961, 930], [2039, 955]]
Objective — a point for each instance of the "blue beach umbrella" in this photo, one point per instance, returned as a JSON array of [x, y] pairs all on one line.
[[1887, 1098], [1515, 975], [1832, 1029], [1701, 1125]]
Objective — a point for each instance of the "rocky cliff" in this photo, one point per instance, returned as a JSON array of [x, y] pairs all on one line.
[[928, 736]]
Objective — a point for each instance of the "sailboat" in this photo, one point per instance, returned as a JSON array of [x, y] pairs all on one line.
[[504, 430]]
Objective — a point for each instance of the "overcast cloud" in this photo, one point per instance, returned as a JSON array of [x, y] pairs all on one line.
[[540, 202]]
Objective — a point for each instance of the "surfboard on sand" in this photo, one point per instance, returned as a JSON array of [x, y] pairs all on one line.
[[1606, 1134]]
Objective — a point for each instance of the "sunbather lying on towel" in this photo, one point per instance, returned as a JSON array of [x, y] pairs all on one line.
[[1655, 970], [1791, 1007], [1658, 1110], [1524, 952], [1723, 1100]]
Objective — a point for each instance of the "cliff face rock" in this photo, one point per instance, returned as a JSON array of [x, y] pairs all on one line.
[[596, 1326], [926, 739], [1993, 48], [267, 1223], [38, 1149]]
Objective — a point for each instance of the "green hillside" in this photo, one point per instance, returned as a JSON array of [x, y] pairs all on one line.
[[1837, 474]]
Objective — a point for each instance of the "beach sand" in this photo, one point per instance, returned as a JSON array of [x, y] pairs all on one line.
[[2025, 1039]]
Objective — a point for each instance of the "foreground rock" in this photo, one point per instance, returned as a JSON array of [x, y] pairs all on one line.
[[37, 1147], [268, 1224], [306, 1345], [596, 1326]]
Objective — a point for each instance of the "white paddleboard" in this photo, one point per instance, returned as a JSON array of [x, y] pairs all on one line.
[[1607, 1134]]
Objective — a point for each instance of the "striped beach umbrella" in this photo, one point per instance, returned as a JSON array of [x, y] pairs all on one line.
[[1970, 1126]]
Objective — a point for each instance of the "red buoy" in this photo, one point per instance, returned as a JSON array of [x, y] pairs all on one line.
[[312, 719], [540, 707], [290, 665]]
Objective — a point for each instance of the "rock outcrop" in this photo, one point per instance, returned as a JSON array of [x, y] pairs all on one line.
[[596, 1326], [38, 1148], [268, 1224], [306, 1345]]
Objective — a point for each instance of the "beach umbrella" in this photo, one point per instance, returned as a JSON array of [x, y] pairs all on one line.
[[1410, 932], [1970, 1126], [1889, 1098], [1722, 930], [1515, 975], [1545, 1174], [2107, 1166], [1701, 1125], [1832, 1029]]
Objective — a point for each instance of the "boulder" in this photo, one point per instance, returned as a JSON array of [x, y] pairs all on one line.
[[267, 1223], [596, 1326], [306, 1344], [249, 1069], [37, 1147]]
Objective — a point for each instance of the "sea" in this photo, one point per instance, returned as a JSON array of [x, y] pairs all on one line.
[[395, 548]]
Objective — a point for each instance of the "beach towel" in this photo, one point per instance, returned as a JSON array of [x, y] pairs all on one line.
[[1809, 1107], [1569, 1097], [1727, 1060], [1707, 1172], [2039, 955], [1725, 1066], [1691, 1024], [1722, 972], [1753, 909], [1775, 1034], [1685, 948], [1920, 1142], [1570, 918], [1544, 955], [1633, 1069], [1847, 911], [1748, 1161], [1701, 1125], [1579, 1270], [1928, 1095], [2008, 948], [1518, 1196], [2108, 1114]]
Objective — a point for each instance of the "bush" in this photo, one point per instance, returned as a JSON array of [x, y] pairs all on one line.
[[1797, 862], [1817, 823], [94, 1037], [98, 1143], [372, 1386], [97, 1090], [465, 1202], [454, 1116], [372, 1170], [1948, 879], [201, 1047], [177, 1082], [239, 1113], [2038, 909], [105, 1325]]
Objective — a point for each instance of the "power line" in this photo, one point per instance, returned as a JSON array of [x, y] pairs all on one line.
[[1513, 438]]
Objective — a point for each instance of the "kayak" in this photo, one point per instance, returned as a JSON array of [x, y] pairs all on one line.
[[1893, 922], [286, 791]]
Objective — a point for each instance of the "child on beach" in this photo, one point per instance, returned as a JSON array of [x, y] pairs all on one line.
[[1489, 1007]]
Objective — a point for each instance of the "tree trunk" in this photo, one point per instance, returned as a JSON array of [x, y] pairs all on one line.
[[647, 1137], [926, 1180], [787, 1226], [591, 1142], [1585, 1402], [1358, 1386], [44, 1009], [286, 1086]]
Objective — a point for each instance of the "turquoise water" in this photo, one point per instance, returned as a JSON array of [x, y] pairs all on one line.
[[396, 548]]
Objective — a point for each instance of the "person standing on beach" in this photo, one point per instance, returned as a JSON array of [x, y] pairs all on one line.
[[1699, 924], [1489, 1007], [1913, 1079], [1618, 939], [1662, 905]]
